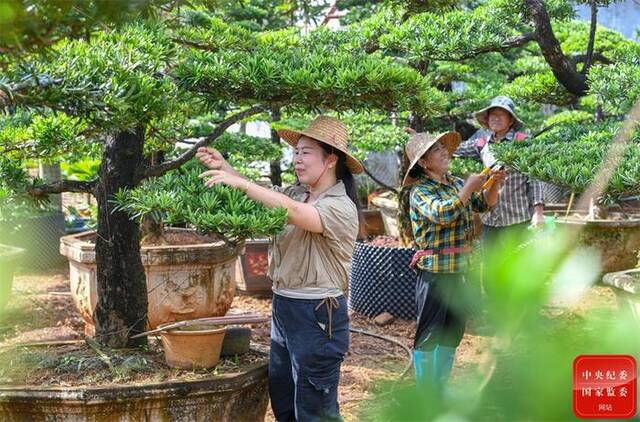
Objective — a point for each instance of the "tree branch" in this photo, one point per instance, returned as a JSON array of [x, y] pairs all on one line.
[[508, 44], [560, 64], [592, 37], [161, 169], [7, 96], [579, 58], [62, 186], [371, 46]]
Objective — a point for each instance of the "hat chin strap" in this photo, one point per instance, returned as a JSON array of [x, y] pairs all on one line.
[[324, 170]]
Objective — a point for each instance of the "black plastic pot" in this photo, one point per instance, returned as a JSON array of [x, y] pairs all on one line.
[[381, 281]]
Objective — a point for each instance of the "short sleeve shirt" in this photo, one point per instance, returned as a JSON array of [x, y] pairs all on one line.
[[299, 258]]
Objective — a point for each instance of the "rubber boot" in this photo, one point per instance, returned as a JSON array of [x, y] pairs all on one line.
[[443, 362], [423, 364]]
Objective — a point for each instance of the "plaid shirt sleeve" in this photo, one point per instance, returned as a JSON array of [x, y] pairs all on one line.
[[536, 192], [478, 203], [428, 204]]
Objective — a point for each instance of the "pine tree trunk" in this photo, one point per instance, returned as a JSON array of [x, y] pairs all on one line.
[[122, 292], [276, 169]]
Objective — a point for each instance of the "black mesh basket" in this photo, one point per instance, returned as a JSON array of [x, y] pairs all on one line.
[[381, 281]]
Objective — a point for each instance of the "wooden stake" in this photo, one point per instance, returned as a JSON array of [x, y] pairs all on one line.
[[573, 194], [224, 320]]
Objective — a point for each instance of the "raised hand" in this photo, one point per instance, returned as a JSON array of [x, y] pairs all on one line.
[[474, 182], [211, 157]]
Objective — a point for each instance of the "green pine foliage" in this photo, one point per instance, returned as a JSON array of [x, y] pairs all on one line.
[[583, 147], [180, 198]]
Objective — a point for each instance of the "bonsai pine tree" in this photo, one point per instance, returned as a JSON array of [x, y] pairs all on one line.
[[584, 75], [125, 94]]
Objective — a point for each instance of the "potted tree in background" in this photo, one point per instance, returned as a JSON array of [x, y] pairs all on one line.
[[568, 156]]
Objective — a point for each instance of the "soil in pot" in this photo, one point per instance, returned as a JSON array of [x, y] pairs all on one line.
[[193, 347], [78, 365]]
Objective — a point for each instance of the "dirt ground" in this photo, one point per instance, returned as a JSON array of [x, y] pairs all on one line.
[[41, 310]]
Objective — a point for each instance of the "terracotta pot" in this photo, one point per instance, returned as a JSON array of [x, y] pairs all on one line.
[[183, 281], [617, 238], [238, 396], [255, 265], [9, 260], [194, 347], [626, 286], [373, 223]]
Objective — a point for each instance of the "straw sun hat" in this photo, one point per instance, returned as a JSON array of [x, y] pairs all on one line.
[[419, 143], [328, 130]]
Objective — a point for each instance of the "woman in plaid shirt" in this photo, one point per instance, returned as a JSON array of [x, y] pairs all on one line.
[[442, 208]]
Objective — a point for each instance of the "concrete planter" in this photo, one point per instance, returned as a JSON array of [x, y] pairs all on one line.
[[626, 286], [618, 240], [9, 259], [241, 396], [183, 281]]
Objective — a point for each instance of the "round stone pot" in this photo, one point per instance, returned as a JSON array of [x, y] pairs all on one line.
[[373, 223], [617, 238], [193, 347], [10, 257], [237, 341], [240, 396], [183, 281]]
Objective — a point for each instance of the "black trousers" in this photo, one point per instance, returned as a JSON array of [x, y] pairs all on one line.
[[441, 310]]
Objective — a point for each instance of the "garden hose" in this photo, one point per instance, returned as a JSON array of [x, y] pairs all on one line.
[[391, 340]]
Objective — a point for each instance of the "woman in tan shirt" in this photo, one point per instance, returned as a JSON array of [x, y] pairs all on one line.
[[309, 265]]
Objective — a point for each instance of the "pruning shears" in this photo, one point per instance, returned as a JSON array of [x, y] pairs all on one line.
[[487, 170]]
